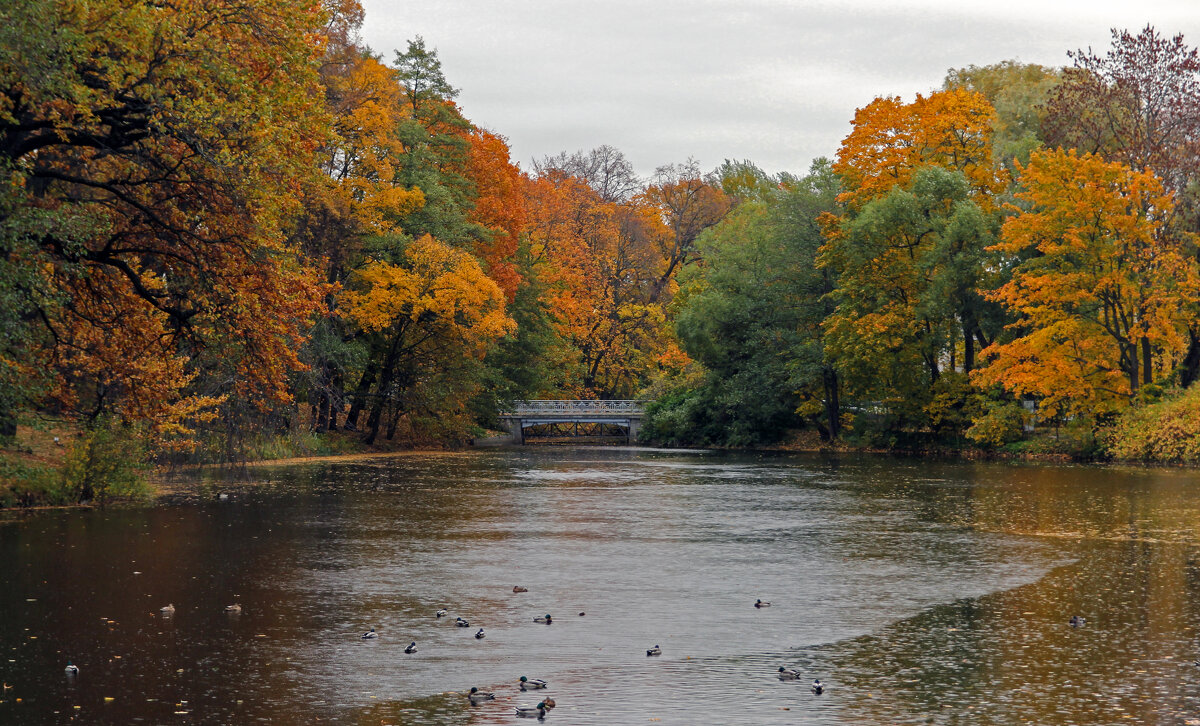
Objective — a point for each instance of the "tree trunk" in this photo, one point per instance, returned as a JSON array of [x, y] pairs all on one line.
[[1147, 369], [8, 426], [386, 376], [360, 394], [1190, 368], [832, 404], [968, 347], [393, 421], [1130, 358]]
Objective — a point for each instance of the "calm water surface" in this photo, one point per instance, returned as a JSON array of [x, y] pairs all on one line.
[[918, 592]]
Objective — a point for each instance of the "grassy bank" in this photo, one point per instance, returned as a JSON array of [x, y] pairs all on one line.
[[58, 464]]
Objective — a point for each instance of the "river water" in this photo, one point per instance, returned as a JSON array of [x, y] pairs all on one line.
[[918, 592]]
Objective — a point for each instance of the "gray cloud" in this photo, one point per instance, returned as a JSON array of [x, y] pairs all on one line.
[[770, 80]]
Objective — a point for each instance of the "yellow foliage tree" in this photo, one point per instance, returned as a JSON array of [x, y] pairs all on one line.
[[1099, 284], [433, 314]]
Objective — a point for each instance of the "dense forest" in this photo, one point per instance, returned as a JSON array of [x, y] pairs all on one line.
[[231, 230]]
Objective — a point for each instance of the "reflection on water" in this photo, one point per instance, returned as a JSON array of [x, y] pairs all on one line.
[[918, 592]]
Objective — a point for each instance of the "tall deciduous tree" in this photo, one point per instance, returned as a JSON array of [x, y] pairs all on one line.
[[921, 197], [1018, 93], [432, 315], [1139, 104], [1099, 284], [752, 315], [151, 154]]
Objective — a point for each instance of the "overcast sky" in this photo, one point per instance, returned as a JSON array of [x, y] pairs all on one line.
[[772, 81]]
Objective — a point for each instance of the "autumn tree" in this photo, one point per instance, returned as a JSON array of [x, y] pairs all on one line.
[[687, 204], [600, 263], [1139, 104], [151, 156], [1099, 285], [355, 199], [431, 315], [1018, 92], [908, 251], [892, 139], [499, 207]]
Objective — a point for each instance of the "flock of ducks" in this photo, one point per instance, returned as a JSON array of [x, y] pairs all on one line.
[[477, 697]]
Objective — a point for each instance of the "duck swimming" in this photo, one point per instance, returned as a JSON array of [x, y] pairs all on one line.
[[462, 623], [654, 651], [370, 634], [788, 674], [479, 635], [817, 688], [547, 620], [1076, 621], [761, 604], [538, 711], [529, 684], [71, 669], [477, 696], [440, 613], [412, 647], [518, 588], [234, 609], [167, 610]]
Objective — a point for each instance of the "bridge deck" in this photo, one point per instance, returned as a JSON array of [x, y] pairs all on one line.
[[626, 414]]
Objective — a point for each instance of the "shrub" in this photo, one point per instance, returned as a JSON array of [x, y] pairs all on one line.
[[1167, 431], [109, 460]]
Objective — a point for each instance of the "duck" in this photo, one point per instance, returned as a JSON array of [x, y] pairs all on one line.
[[518, 588], [817, 688], [462, 623], [370, 634], [222, 497], [167, 610], [1077, 621], [761, 604], [788, 674], [529, 684], [477, 696], [71, 669], [654, 651], [234, 609], [549, 702], [547, 620], [538, 711], [440, 613], [412, 647], [479, 635]]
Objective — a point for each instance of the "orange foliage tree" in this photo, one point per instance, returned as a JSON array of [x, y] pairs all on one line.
[[152, 157], [499, 207], [433, 314], [892, 139], [1099, 285], [600, 263]]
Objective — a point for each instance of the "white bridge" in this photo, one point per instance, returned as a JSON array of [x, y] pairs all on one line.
[[563, 418]]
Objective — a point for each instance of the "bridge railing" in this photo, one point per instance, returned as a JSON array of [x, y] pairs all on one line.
[[528, 408]]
